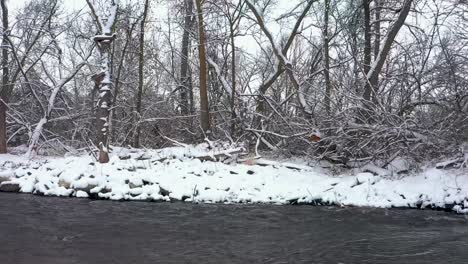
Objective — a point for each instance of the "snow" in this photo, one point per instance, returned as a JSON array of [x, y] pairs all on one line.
[[223, 80], [179, 173], [81, 194]]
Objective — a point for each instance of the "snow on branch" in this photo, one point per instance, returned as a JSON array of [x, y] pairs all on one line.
[[376, 67], [104, 27], [281, 56], [223, 80], [47, 112]]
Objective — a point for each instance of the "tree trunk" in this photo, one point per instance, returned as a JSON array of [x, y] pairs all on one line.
[[104, 40], [141, 60], [377, 65], [204, 108], [326, 59], [374, 82], [118, 75], [5, 79], [104, 103], [367, 49], [185, 84], [233, 81], [3, 128]]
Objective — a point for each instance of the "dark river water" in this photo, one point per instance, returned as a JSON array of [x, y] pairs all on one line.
[[63, 230]]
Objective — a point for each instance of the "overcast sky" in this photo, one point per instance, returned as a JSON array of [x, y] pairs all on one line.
[[160, 12]]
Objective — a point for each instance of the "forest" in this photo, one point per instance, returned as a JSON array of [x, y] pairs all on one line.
[[348, 81], [234, 131]]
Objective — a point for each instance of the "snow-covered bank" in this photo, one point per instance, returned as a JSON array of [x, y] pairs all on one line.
[[174, 174]]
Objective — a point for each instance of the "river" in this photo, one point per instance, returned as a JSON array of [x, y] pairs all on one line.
[[51, 230]]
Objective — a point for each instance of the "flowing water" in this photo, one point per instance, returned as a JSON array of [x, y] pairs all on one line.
[[63, 230]]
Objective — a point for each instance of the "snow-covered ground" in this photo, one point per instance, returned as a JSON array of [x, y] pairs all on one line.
[[185, 173]]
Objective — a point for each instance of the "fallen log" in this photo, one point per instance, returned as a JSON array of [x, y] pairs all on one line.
[[264, 162], [219, 155], [455, 163]]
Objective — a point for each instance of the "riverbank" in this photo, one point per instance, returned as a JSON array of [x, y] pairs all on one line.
[[191, 174]]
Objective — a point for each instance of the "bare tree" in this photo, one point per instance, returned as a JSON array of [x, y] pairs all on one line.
[[281, 56], [58, 86]]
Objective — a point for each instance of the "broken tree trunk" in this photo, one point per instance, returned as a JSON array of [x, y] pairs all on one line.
[[104, 40]]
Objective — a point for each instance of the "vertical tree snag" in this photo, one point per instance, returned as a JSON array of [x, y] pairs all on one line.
[[233, 79], [141, 60], [375, 81], [326, 58], [185, 84], [104, 39], [367, 47], [204, 108], [5, 79], [234, 21]]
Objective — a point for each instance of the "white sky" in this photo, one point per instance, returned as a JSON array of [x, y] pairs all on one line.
[[77, 4], [160, 12]]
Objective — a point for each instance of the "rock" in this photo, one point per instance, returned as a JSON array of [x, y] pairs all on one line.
[[9, 187], [105, 190], [163, 191], [365, 178], [4, 179], [6, 176], [133, 185], [64, 184], [124, 157], [144, 156], [293, 201], [86, 189]]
